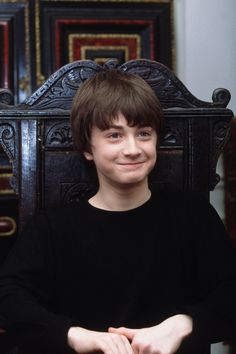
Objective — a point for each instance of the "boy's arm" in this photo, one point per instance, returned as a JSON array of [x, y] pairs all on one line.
[[164, 338], [214, 311], [85, 341], [25, 288], [212, 317]]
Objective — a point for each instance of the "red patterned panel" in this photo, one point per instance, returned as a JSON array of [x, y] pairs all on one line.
[[79, 44], [7, 226], [4, 40], [121, 36]]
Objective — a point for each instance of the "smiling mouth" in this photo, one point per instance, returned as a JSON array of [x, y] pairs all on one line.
[[131, 163]]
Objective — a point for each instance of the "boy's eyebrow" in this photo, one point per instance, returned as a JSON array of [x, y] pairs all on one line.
[[114, 126], [120, 127]]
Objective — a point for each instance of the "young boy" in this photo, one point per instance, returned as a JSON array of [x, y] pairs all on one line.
[[131, 270]]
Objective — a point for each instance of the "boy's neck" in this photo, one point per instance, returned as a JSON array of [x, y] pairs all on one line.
[[120, 199]]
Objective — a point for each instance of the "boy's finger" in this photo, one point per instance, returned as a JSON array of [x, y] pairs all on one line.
[[128, 332]]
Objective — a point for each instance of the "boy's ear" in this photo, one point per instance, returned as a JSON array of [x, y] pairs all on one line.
[[88, 156]]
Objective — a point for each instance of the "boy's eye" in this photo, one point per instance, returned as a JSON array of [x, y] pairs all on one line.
[[114, 135], [144, 133]]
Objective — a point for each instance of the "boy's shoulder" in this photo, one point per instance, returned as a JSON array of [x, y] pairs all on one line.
[[180, 200], [171, 193], [59, 214]]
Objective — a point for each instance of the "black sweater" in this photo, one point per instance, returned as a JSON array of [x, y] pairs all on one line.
[[79, 265]]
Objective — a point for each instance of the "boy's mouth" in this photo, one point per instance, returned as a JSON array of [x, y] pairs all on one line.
[[131, 163]]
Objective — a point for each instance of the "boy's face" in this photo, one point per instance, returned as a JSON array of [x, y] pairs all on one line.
[[123, 155]]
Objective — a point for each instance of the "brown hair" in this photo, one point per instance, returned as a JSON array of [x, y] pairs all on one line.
[[103, 96]]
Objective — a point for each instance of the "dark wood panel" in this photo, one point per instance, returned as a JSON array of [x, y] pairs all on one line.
[[14, 71]]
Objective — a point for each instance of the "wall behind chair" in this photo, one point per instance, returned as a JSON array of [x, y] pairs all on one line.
[[205, 38], [205, 33]]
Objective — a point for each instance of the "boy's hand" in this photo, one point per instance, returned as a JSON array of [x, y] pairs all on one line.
[[164, 338], [84, 341]]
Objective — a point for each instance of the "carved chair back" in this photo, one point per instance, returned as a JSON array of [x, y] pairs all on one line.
[[36, 136]]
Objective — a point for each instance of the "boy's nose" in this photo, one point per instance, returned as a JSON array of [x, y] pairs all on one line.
[[131, 147]]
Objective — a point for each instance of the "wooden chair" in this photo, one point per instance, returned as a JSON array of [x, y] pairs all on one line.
[[36, 136]]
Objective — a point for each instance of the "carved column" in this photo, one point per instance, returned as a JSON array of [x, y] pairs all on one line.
[[8, 142]]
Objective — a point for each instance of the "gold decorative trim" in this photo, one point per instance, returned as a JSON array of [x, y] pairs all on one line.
[[12, 1], [5, 175], [89, 35], [6, 191], [133, 1], [26, 80], [109, 47], [5, 167], [101, 61], [24, 84], [12, 231], [40, 78]]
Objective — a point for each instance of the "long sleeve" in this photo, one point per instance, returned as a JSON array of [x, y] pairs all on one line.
[[67, 270], [25, 290], [214, 307]]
